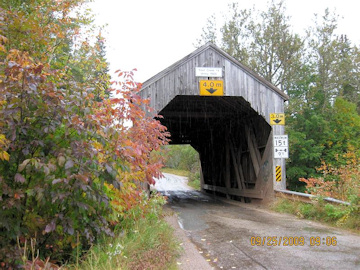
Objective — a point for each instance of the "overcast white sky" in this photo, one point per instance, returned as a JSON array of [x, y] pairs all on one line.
[[150, 35]]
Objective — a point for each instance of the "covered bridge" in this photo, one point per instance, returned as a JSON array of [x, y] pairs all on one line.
[[226, 112]]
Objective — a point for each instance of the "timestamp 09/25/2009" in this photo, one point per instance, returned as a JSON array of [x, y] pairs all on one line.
[[313, 241]]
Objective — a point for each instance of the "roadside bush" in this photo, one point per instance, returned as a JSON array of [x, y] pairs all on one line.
[[143, 240], [70, 168], [344, 216], [341, 182], [194, 180]]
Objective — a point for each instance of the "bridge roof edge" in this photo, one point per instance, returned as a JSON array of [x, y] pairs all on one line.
[[224, 54]]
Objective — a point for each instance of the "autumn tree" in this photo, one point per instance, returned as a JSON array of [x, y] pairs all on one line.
[[64, 148]]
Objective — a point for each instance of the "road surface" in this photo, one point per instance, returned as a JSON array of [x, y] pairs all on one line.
[[234, 235]]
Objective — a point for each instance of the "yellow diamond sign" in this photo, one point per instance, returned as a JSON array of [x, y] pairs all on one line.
[[211, 88]]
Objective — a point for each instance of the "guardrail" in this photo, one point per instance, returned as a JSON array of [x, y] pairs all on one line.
[[307, 197]]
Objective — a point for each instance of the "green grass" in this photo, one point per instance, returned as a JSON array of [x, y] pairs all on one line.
[[145, 242], [194, 184], [176, 171], [342, 216]]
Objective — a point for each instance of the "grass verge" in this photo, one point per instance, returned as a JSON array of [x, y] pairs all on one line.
[[142, 242], [176, 171], [342, 216]]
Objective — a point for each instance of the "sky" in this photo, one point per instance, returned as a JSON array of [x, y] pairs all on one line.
[[151, 35]]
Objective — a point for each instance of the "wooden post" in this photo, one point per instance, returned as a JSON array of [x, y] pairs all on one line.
[[227, 168], [253, 151], [240, 167], [241, 184]]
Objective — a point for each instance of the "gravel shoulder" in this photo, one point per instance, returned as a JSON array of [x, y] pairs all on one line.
[[191, 258]]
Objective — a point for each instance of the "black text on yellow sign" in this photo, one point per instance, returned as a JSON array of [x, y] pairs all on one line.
[[278, 173], [211, 88], [277, 119]]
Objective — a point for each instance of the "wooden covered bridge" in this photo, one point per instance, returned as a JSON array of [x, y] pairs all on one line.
[[226, 112]]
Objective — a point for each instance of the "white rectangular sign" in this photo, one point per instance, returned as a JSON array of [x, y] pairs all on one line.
[[281, 146], [208, 72], [281, 140]]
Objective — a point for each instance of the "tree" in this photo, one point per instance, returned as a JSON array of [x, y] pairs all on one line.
[[102, 72], [323, 54], [236, 33], [265, 43], [209, 32], [64, 153], [275, 52], [320, 73]]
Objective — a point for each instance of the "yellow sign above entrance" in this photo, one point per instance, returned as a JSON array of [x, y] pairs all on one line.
[[277, 119], [211, 88]]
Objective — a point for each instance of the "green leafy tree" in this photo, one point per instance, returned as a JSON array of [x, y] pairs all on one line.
[[344, 133], [305, 149], [275, 53], [236, 33]]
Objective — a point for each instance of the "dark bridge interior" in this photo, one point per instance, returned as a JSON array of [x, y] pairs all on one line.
[[222, 129]]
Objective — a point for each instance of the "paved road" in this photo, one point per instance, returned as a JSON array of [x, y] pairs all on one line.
[[235, 235]]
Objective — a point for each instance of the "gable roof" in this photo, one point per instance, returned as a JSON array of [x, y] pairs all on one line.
[[219, 51]]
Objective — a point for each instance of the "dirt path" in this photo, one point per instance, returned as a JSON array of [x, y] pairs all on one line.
[[191, 258], [233, 235]]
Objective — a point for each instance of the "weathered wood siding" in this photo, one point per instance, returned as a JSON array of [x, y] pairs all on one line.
[[179, 79]]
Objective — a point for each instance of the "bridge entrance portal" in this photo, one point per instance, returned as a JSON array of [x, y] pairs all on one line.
[[227, 122]]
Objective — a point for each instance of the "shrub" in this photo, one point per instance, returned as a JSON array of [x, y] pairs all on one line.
[[64, 146], [341, 182], [143, 240]]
